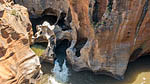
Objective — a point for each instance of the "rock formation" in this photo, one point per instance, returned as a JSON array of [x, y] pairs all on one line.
[[45, 33], [37, 8], [50, 34], [18, 63], [120, 36], [105, 34]]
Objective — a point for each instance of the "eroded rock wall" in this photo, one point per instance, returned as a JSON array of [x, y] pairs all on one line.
[[18, 63], [106, 34], [122, 35], [37, 8]]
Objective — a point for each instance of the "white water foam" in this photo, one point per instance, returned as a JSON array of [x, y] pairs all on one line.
[[60, 76]]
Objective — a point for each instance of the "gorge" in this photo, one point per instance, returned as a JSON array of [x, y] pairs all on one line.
[[100, 36]]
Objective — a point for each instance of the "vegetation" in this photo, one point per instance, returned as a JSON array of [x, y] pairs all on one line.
[[38, 49]]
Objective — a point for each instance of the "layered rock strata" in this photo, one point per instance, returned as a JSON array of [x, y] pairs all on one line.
[[18, 63], [105, 34]]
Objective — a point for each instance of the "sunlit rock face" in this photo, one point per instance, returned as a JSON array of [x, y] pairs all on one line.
[[104, 38], [18, 63], [121, 35]]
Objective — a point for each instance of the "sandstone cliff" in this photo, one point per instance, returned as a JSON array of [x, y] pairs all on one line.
[[105, 34], [18, 63]]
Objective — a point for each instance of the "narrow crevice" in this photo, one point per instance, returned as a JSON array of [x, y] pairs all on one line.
[[95, 13], [144, 11], [79, 46], [110, 4], [105, 7], [63, 23], [60, 50], [99, 9]]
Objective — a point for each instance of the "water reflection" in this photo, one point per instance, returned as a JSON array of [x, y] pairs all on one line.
[[138, 72]]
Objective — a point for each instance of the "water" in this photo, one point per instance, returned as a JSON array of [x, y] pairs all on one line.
[[57, 75], [61, 74], [138, 72], [38, 49]]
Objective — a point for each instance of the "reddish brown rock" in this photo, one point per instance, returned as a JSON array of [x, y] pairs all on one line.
[[122, 35], [99, 9], [18, 63], [118, 32]]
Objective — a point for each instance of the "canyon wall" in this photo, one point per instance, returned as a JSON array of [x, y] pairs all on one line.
[[120, 36], [18, 63], [106, 34]]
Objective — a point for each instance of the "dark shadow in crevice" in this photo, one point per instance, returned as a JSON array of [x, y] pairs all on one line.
[[99, 9], [37, 21], [95, 12], [135, 54], [60, 50], [43, 44], [110, 4], [63, 23], [80, 44]]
